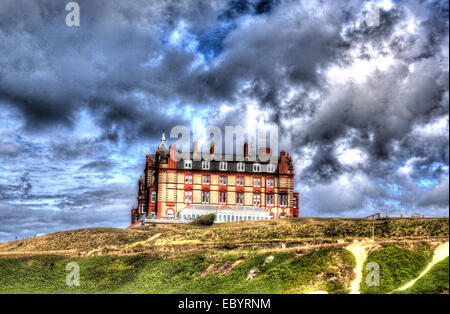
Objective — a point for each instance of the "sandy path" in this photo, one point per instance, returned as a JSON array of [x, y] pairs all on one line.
[[440, 253], [359, 250]]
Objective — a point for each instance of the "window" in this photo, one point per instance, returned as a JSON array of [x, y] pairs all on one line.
[[222, 197], [223, 180], [240, 166], [269, 200], [188, 197], [271, 168], [170, 214], [270, 183], [256, 167], [283, 200], [240, 198], [205, 197], [205, 180], [240, 181], [295, 202], [153, 196], [205, 164], [188, 164], [188, 179], [257, 199], [256, 181], [223, 165]]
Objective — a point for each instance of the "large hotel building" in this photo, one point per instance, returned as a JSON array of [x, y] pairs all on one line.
[[235, 188]]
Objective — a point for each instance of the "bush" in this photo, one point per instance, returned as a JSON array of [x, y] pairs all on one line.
[[205, 220]]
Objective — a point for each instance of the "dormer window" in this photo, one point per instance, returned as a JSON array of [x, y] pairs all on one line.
[[256, 167], [223, 165], [271, 168], [188, 164], [240, 166], [205, 165]]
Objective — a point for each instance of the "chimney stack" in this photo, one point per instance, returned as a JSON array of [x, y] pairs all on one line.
[[246, 149], [212, 148], [264, 151], [195, 148]]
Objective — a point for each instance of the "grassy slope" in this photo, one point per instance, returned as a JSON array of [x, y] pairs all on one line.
[[191, 259], [435, 281], [398, 266], [326, 269], [171, 238]]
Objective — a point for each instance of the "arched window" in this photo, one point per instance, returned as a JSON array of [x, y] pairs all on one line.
[[170, 213]]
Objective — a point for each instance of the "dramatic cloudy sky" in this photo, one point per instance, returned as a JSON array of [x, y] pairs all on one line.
[[364, 110]]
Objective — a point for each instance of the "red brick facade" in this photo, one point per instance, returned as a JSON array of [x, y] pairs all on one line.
[[169, 186]]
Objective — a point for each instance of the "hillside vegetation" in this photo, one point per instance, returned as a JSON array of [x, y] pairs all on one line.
[[287, 256], [327, 269], [173, 239]]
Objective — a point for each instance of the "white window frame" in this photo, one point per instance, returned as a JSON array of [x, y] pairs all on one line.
[[172, 214], [270, 199], [153, 196], [188, 164], [270, 182], [257, 182], [240, 181], [240, 166], [223, 166], [188, 179], [206, 165], [256, 199], [256, 167], [271, 167], [283, 200], [208, 181], [223, 180], [205, 197], [188, 196], [222, 199], [239, 199]]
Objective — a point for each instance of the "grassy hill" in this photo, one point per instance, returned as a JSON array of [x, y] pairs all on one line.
[[286, 256]]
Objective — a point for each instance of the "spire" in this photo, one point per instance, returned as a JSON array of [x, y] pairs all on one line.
[[163, 146], [252, 147]]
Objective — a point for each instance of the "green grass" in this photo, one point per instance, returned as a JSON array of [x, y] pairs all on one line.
[[435, 281], [397, 266], [326, 269]]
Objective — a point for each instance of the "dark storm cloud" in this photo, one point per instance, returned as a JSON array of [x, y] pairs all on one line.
[[50, 71]]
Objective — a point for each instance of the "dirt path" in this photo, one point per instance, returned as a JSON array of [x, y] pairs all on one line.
[[359, 250], [440, 253]]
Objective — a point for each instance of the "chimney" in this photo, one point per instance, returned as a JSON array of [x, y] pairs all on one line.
[[246, 150], [283, 164], [212, 148], [264, 151], [195, 148]]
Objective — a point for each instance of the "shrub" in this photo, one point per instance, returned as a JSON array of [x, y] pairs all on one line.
[[205, 220]]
